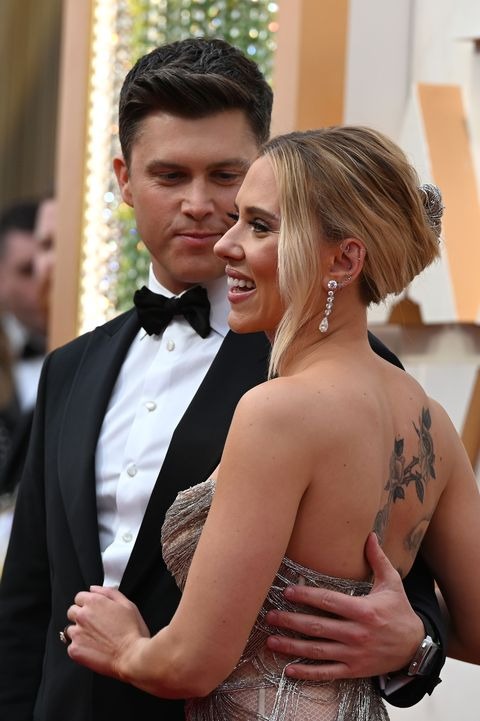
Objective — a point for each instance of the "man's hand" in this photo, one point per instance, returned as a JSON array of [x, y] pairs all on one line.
[[369, 636]]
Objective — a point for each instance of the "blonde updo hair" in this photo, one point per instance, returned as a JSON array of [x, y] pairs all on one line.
[[347, 182]]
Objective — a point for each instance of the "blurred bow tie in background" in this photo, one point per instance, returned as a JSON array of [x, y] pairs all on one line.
[[34, 347], [155, 311]]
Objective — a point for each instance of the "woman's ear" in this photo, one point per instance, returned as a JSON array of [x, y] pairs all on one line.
[[346, 262]]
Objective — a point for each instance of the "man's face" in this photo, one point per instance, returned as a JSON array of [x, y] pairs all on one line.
[[44, 259], [18, 285], [182, 181]]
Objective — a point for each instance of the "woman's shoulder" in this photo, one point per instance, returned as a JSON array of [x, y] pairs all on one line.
[[276, 398], [293, 405], [284, 393]]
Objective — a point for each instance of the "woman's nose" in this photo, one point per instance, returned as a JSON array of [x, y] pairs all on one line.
[[229, 246]]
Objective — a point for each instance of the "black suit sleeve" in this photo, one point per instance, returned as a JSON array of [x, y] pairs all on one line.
[[25, 588], [11, 472], [420, 589], [382, 350]]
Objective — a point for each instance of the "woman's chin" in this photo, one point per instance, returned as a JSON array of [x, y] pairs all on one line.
[[242, 325]]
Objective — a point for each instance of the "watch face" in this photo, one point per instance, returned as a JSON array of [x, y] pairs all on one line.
[[424, 658]]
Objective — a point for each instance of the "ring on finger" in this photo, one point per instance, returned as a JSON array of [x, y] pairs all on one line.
[[64, 637]]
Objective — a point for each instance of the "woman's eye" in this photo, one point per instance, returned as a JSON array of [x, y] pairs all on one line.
[[259, 226]]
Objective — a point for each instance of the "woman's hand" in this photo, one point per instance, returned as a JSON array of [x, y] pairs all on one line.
[[106, 630]]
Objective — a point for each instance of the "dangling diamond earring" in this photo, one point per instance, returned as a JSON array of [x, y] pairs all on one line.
[[332, 286]]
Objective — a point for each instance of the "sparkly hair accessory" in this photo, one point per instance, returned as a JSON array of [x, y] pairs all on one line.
[[432, 202]]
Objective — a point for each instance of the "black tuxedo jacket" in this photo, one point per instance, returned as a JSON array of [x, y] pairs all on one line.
[[54, 550]]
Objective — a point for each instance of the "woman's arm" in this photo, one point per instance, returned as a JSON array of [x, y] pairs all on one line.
[[263, 475]]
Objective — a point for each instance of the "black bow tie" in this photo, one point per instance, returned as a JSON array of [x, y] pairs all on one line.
[[155, 311], [34, 348]]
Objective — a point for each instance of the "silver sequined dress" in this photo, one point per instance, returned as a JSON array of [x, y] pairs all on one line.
[[258, 689]]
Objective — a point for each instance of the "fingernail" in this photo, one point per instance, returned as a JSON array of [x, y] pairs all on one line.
[[291, 671], [289, 592]]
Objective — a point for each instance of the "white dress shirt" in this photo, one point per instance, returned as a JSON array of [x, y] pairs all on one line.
[[26, 371], [158, 379]]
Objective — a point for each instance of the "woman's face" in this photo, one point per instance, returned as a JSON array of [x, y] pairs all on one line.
[[249, 249]]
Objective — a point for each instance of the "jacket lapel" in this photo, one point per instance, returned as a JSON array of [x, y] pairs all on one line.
[[197, 444], [84, 413]]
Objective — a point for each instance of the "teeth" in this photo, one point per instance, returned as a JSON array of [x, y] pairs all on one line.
[[240, 283]]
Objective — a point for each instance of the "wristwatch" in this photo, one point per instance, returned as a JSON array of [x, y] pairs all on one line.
[[424, 658], [427, 653], [422, 664]]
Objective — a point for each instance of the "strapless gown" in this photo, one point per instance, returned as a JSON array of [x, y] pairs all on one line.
[[258, 689]]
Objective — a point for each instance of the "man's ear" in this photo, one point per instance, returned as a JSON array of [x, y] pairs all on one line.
[[123, 179], [346, 262]]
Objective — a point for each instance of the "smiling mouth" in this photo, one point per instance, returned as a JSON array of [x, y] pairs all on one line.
[[240, 285]]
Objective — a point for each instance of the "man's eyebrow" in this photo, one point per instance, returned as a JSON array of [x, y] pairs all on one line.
[[159, 164], [231, 162]]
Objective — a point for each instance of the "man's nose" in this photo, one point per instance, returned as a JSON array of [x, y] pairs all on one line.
[[198, 201]]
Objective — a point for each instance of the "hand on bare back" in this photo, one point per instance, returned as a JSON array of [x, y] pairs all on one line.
[[369, 635]]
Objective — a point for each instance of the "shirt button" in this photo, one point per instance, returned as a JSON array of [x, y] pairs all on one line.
[[150, 405], [170, 345], [127, 537], [132, 470]]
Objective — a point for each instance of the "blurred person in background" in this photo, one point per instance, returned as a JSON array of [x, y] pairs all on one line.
[[26, 267], [22, 318], [44, 258], [6, 394]]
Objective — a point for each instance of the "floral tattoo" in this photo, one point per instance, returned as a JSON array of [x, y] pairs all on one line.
[[418, 471]]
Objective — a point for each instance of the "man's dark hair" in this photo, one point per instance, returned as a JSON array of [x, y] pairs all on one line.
[[194, 78], [18, 216]]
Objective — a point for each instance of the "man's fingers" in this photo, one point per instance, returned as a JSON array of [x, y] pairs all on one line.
[[305, 624], [383, 571], [317, 627], [332, 602], [299, 648], [318, 672]]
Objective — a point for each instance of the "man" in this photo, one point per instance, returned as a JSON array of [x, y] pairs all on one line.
[[118, 404], [36, 272], [21, 316], [21, 319], [44, 258], [22, 328]]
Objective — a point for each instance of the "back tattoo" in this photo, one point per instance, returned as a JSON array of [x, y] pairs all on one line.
[[418, 471]]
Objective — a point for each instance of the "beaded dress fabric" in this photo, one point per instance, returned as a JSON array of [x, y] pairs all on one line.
[[258, 689]]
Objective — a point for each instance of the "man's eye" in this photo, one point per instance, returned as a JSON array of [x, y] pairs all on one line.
[[172, 177], [233, 216], [227, 176]]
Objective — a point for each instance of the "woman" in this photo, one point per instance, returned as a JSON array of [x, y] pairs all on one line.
[[336, 444]]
